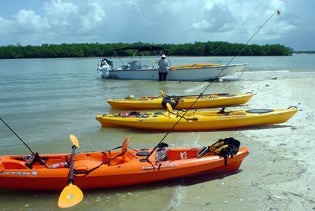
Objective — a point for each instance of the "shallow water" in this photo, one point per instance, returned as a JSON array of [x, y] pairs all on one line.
[[46, 100]]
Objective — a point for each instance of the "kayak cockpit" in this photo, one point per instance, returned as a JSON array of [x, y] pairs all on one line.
[[12, 164], [24, 162]]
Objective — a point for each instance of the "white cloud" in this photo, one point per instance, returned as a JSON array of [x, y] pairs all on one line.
[[5, 26], [30, 23], [202, 25], [93, 18], [60, 13], [164, 21]]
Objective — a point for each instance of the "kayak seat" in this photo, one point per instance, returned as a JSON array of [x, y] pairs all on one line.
[[119, 160], [122, 155], [222, 111], [13, 165]]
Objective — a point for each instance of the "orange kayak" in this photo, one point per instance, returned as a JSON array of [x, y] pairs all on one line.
[[118, 167]]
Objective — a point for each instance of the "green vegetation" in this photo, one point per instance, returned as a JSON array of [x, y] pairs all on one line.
[[102, 50]]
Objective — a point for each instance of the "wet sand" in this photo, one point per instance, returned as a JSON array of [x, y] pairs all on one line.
[[279, 173]]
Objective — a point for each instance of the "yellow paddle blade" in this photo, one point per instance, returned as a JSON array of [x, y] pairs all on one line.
[[162, 93], [70, 196], [75, 141], [169, 107]]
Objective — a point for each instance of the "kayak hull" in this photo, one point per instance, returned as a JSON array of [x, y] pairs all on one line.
[[102, 170], [184, 102], [197, 120]]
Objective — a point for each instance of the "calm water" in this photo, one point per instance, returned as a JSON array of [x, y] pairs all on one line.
[[46, 100]]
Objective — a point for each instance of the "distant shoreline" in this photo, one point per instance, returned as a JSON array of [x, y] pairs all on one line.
[[107, 50], [304, 52]]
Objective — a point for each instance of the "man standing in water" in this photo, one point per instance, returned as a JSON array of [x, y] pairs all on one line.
[[164, 66]]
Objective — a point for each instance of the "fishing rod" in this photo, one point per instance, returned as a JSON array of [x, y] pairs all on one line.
[[17, 136], [35, 156], [202, 93], [267, 20]]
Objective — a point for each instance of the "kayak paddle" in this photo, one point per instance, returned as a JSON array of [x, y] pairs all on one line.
[[71, 194], [162, 93], [170, 111]]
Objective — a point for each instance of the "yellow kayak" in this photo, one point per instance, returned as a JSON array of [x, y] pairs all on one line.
[[197, 120], [181, 102]]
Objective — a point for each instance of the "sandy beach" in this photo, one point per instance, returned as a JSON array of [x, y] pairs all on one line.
[[283, 171], [279, 172]]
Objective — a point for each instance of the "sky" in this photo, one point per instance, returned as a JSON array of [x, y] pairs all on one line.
[[37, 22]]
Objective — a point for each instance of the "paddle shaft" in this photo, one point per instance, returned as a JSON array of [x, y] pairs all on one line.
[[72, 165], [71, 194]]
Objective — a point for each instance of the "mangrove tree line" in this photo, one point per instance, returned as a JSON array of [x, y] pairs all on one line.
[[101, 50]]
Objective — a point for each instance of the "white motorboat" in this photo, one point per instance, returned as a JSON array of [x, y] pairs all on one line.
[[139, 69]]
